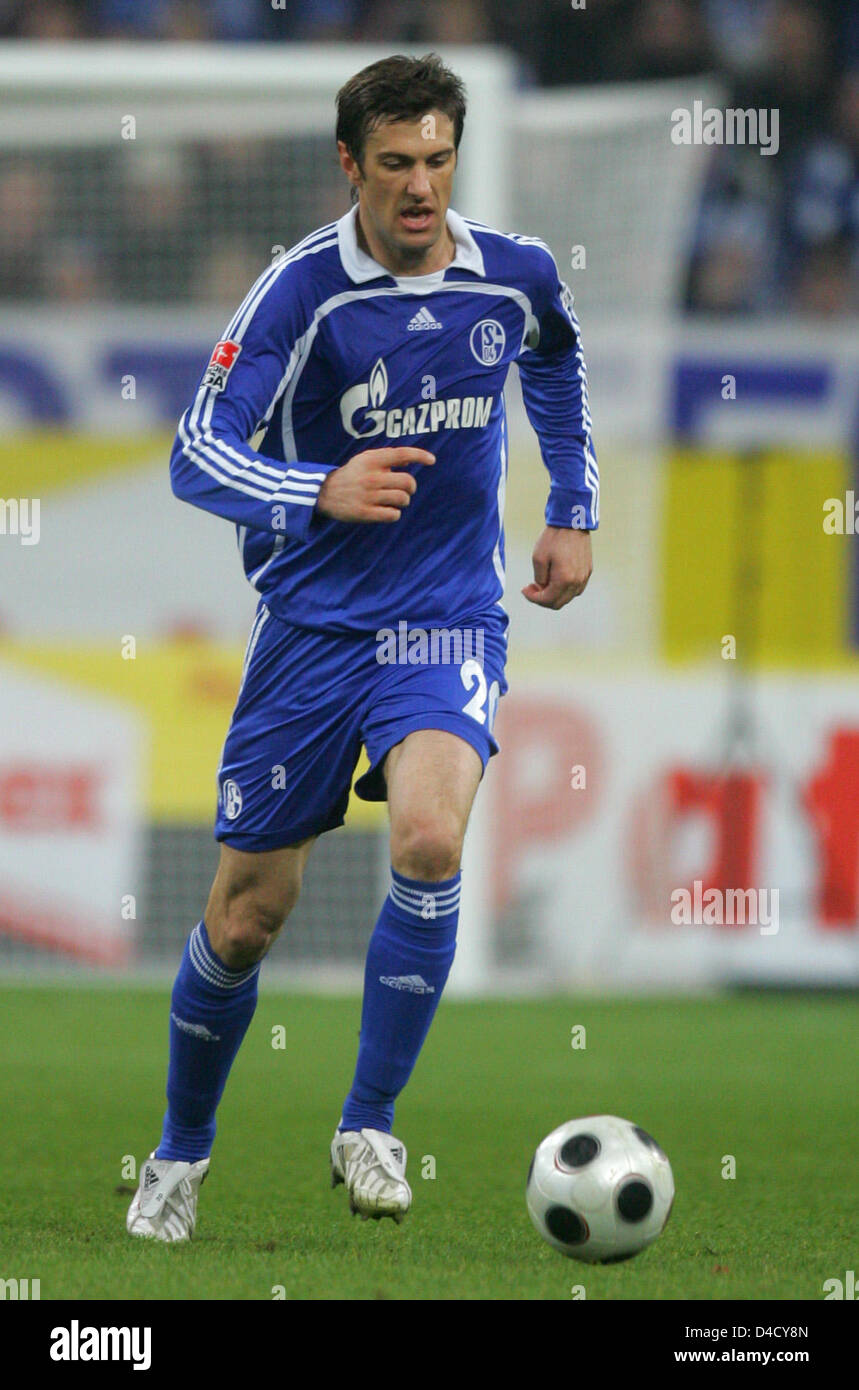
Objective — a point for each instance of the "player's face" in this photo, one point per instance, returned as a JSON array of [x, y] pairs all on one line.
[[405, 186]]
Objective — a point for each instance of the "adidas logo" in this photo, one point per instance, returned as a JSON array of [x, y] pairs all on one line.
[[150, 1178], [197, 1030], [423, 319], [415, 984]]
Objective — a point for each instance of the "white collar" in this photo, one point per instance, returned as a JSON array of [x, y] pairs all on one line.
[[359, 266]]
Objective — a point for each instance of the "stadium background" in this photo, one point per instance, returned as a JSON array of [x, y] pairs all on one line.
[[717, 288]]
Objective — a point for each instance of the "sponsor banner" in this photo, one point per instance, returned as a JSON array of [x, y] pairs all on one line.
[[70, 819], [733, 526], [677, 831], [181, 693], [744, 384]]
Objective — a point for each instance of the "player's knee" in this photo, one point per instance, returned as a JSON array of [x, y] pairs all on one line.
[[248, 927], [245, 924], [428, 848]]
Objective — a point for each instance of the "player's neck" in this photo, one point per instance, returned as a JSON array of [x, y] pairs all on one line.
[[435, 258]]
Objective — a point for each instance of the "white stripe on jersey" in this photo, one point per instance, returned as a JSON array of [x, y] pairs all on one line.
[[252, 642], [591, 469], [288, 482], [294, 253], [265, 283], [509, 236], [280, 542], [267, 490], [592, 479], [502, 488], [204, 445]]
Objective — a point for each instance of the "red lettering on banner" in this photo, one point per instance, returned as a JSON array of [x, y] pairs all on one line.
[[731, 801], [832, 801], [730, 804], [34, 798], [535, 803]]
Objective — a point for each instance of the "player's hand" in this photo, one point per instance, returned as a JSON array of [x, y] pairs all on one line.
[[562, 567], [368, 487]]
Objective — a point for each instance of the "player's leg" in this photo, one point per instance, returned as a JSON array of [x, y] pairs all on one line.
[[428, 731], [432, 777], [215, 994], [284, 779], [251, 897], [213, 1001]]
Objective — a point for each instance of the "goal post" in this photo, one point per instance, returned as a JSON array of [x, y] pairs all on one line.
[[57, 96]]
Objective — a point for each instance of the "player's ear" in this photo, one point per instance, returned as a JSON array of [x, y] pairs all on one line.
[[347, 161]]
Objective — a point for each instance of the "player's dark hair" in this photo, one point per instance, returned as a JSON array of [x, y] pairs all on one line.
[[397, 89]]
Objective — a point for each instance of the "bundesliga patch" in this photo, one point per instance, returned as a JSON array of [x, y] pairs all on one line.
[[221, 364]]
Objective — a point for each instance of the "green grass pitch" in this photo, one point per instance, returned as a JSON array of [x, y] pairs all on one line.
[[769, 1080]]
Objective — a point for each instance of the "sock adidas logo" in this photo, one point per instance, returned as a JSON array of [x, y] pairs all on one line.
[[415, 984], [197, 1030], [423, 319]]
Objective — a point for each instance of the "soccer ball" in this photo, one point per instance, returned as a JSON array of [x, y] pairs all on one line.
[[599, 1189]]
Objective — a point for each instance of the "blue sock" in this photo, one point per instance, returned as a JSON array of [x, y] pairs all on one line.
[[408, 962], [210, 1010]]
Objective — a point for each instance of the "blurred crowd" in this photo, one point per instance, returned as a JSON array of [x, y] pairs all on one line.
[[774, 234]]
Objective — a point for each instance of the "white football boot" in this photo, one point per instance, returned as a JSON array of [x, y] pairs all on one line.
[[372, 1164], [164, 1206]]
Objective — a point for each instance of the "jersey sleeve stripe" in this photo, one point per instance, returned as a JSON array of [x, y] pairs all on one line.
[[267, 282], [264, 281], [268, 490]]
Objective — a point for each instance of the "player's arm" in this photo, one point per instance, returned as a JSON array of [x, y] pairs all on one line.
[[554, 388], [213, 466]]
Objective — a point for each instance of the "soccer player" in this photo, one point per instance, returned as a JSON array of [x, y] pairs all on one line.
[[367, 365]]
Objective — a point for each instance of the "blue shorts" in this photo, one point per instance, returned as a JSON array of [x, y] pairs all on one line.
[[308, 700]]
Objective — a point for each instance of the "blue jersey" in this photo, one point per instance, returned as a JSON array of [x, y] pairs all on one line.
[[329, 355]]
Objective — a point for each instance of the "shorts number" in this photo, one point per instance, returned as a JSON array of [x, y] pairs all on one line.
[[470, 672]]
